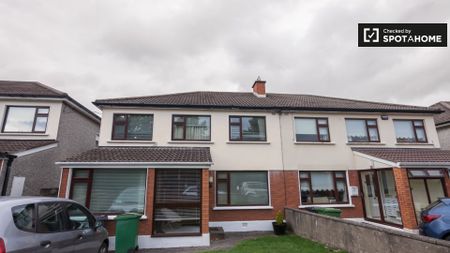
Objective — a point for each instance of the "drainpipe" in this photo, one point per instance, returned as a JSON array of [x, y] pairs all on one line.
[[7, 172], [282, 156]]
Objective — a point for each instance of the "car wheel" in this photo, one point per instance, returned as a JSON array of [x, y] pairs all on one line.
[[103, 248]]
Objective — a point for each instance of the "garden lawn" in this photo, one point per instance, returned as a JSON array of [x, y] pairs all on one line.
[[277, 244]]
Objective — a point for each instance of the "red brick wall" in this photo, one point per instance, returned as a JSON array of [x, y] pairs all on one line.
[[357, 211], [205, 201], [447, 183], [63, 182], [281, 199], [404, 198]]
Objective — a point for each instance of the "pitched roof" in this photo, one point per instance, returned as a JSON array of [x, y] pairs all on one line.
[[28, 89], [408, 155], [32, 89], [13, 146], [443, 118], [247, 100], [155, 154]]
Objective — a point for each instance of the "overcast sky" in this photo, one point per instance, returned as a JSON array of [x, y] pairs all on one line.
[[94, 49]]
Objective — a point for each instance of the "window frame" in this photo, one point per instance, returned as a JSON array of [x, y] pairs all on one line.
[[416, 140], [36, 115], [318, 126], [89, 181], [90, 217], [335, 180], [228, 181], [126, 126], [367, 126], [180, 204], [34, 218], [241, 136], [185, 116], [65, 218]]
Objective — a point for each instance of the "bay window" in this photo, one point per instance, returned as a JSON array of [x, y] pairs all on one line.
[[247, 128], [110, 191], [177, 205], [132, 127], [323, 187], [410, 131], [191, 128], [312, 130], [362, 130], [242, 188], [26, 119]]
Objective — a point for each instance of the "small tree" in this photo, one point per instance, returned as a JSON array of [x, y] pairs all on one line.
[[279, 219]]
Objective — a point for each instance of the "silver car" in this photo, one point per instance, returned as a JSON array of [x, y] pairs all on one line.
[[38, 224]]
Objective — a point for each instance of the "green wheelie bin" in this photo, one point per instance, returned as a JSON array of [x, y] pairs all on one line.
[[333, 212], [126, 232]]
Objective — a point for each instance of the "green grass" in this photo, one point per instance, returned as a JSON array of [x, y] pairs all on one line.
[[277, 244]]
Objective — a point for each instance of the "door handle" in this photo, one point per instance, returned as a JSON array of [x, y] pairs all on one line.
[[46, 244]]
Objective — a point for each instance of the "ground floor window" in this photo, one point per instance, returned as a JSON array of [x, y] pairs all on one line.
[[177, 206], [242, 188], [427, 185], [323, 187], [380, 196], [110, 191]]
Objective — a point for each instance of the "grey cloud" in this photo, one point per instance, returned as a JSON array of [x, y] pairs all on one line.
[[99, 49]]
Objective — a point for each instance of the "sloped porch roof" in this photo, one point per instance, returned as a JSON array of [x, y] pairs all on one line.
[[404, 157]]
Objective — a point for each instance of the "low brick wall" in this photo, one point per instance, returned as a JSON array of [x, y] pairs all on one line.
[[358, 237]]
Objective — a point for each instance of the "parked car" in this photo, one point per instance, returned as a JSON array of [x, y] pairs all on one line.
[[42, 224], [436, 220]]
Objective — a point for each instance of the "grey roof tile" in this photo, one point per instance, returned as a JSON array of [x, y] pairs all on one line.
[[13, 146], [406, 155], [144, 154], [248, 100]]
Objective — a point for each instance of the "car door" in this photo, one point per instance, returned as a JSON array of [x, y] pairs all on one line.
[[83, 225], [51, 229]]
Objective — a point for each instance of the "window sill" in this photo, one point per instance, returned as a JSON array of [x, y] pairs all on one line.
[[313, 143], [24, 134], [248, 142], [218, 208], [113, 217], [190, 142], [366, 143], [414, 144], [327, 205], [131, 141]]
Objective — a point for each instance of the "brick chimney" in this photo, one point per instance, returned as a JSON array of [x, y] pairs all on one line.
[[259, 88]]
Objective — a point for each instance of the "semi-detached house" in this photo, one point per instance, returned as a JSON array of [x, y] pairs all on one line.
[[190, 161]]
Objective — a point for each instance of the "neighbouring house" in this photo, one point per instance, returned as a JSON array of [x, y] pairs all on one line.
[[39, 126], [442, 122], [190, 161]]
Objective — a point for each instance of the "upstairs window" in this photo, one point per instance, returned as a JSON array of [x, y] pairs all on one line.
[[247, 128], [26, 119], [410, 131], [362, 130], [191, 128], [132, 127], [311, 130]]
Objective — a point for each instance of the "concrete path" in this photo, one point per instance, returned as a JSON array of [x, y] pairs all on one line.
[[231, 239]]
